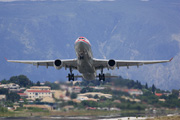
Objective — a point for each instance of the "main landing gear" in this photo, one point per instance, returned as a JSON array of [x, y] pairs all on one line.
[[71, 75], [101, 76]]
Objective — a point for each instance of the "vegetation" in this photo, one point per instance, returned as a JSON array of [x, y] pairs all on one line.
[[3, 109], [148, 99], [53, 86], [33, 109], [10, 97], [13, 97], [21, 80], [73, 95]]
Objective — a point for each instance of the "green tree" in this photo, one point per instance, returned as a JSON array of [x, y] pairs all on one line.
[[107, 90], [83, 90], [139, 85], [24, 81], [4, 81], [131, 84], [37, 100], [14, 97], [146, 86], [14, 79], [21, 80], [4, 91], [153, 89], [3, 109], [76, 84], [96, 96], [73, 95], [103, 98], [71, 103], [53, 86], [90, 96], [175, 92], [67, 93], [38, 83], [89, 103], [90, 84]]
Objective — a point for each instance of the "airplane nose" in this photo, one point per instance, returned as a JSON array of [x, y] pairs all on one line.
[[80, 43]]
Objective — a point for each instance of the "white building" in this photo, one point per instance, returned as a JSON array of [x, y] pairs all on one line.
[[2, 97], [95, 93], [10, 86], [135, 92], [34, 94]]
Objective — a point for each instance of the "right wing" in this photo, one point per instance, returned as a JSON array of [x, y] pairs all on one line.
[[103, 63], [67, 63]]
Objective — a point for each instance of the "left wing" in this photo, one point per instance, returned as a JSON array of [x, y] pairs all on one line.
[[103, 63], [67, 63]]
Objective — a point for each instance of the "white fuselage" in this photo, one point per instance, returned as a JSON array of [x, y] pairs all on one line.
[[85, 59]]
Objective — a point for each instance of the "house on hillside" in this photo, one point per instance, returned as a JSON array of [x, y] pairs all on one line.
[[2, 97], [135, 92], [34, 94], [81, 98], [48, 99], [130, 99], [95, 93], [23, 95], [11, 86], [40, 88], [158, 94], [76, 89], [59, 94]]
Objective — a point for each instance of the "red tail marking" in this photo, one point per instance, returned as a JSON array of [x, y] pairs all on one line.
[[5, 58], [171, 59]]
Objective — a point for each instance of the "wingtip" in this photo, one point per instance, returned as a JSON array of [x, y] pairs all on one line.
[[171, 59], [5, 58]]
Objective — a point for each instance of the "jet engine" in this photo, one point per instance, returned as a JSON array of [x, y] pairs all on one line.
[[111, 64], [58, 64]]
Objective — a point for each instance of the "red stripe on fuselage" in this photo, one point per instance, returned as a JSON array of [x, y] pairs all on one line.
[[82, 41]]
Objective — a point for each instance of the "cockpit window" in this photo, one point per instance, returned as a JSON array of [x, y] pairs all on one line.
[[81, 38]]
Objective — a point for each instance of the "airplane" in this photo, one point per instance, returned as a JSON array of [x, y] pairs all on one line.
[[86, 64]]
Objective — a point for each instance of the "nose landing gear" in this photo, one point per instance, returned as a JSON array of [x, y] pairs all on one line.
[[81, 57]]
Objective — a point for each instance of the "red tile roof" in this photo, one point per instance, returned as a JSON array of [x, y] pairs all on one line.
[[158, 94], [134, 90], [22, 94], [44, 91]]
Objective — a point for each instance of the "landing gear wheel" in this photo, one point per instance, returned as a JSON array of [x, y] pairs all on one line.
[[101, 77], [71, 77]]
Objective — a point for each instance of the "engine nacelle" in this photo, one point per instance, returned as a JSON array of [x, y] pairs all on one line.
[[58, 64], [111, 64]]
